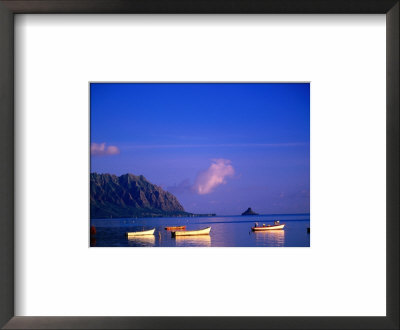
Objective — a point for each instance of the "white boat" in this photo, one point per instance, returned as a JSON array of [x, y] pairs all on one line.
[[205, 231], [275, 226], [269, 227], [141, 233]]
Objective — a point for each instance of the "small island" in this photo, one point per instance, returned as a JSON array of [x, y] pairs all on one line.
[[249, 211]]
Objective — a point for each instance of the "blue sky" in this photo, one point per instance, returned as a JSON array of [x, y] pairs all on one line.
[[219, 148]]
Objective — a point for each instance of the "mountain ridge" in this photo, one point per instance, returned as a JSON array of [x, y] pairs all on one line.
[[128, 196]]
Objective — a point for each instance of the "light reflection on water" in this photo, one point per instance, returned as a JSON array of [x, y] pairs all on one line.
[[270, 238], [202, 240], [226, 231], [148, 240]]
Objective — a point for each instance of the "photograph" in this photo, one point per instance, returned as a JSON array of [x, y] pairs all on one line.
[[199, 164]]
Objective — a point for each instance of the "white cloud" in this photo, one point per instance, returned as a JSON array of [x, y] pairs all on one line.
[[216, 175], [100, 149]]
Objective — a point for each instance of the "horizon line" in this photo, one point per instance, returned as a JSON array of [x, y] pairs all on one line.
[[221, 145]]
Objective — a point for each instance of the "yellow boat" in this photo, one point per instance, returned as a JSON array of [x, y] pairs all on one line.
[[205, 231], [141, 233]]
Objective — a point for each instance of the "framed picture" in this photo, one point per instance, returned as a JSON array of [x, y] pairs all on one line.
[[164, 171]]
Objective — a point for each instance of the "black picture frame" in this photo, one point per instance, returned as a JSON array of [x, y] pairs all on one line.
[[8, 8]]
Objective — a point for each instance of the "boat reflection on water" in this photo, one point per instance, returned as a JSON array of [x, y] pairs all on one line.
[[270, 238], [147, 240], [201, 240]]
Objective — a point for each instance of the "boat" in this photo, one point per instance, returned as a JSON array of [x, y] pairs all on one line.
[[141, 233], [205, 231], [176, 228], [268, 227], [276, 226]]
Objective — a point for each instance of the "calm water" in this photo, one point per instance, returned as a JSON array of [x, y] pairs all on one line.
[[225, 231]]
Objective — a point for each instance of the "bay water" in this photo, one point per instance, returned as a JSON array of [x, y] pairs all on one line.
[[226, 231]]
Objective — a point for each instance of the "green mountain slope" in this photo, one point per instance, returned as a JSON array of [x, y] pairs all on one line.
[[129, 195]]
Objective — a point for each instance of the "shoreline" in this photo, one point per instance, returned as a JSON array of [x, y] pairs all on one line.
[[206, 216]]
